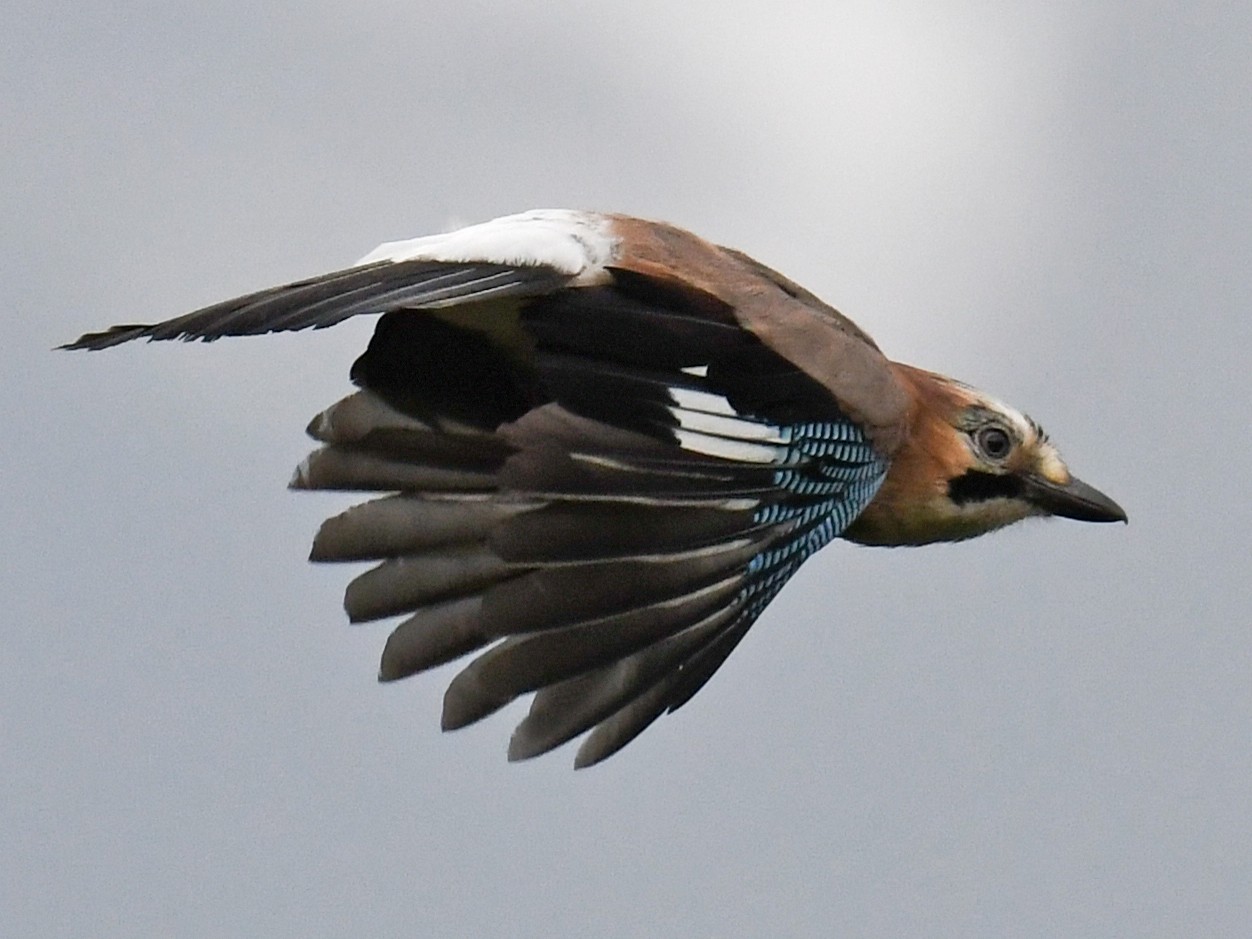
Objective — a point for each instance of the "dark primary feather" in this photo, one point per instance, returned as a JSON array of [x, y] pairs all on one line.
[[331, 298]]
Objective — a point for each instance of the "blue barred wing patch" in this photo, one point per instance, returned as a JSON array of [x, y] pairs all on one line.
[[826, 473], [830, 474]]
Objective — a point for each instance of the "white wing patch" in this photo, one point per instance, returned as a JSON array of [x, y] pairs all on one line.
[[691, 399], [719, 425], [709, 424], [576, 243], [729, 448]]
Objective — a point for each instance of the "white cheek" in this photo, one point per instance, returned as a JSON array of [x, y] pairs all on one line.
[[996, 513]]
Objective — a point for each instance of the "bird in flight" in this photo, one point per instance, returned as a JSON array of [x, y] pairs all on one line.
[[602, 445]]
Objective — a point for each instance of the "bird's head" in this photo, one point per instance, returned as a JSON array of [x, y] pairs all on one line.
[[970, 464]]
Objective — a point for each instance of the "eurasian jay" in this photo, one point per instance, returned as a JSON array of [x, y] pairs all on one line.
[[605, 445]]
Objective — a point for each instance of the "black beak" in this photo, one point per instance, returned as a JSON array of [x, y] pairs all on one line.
[[1074, 499]]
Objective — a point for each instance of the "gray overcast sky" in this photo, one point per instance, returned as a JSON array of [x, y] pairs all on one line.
[[1041, 733]]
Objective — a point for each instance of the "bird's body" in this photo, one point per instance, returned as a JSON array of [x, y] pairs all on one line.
[[606, 444]]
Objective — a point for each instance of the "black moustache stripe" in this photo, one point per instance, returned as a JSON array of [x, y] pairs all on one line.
[[977, 486]]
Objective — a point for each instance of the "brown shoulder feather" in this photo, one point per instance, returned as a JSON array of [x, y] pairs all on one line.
[[793, 322]]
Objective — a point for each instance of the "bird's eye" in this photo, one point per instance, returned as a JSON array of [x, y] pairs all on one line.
[[994, 442]]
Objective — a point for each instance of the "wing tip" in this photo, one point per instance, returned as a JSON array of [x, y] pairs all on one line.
[[466, 702], [113, 336], [591, 754], [526, 743]]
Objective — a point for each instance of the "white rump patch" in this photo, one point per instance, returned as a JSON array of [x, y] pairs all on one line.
[[576, 243]]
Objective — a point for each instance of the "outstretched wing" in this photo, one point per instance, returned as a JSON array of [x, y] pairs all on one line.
[[598, 468], [521, 255]]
